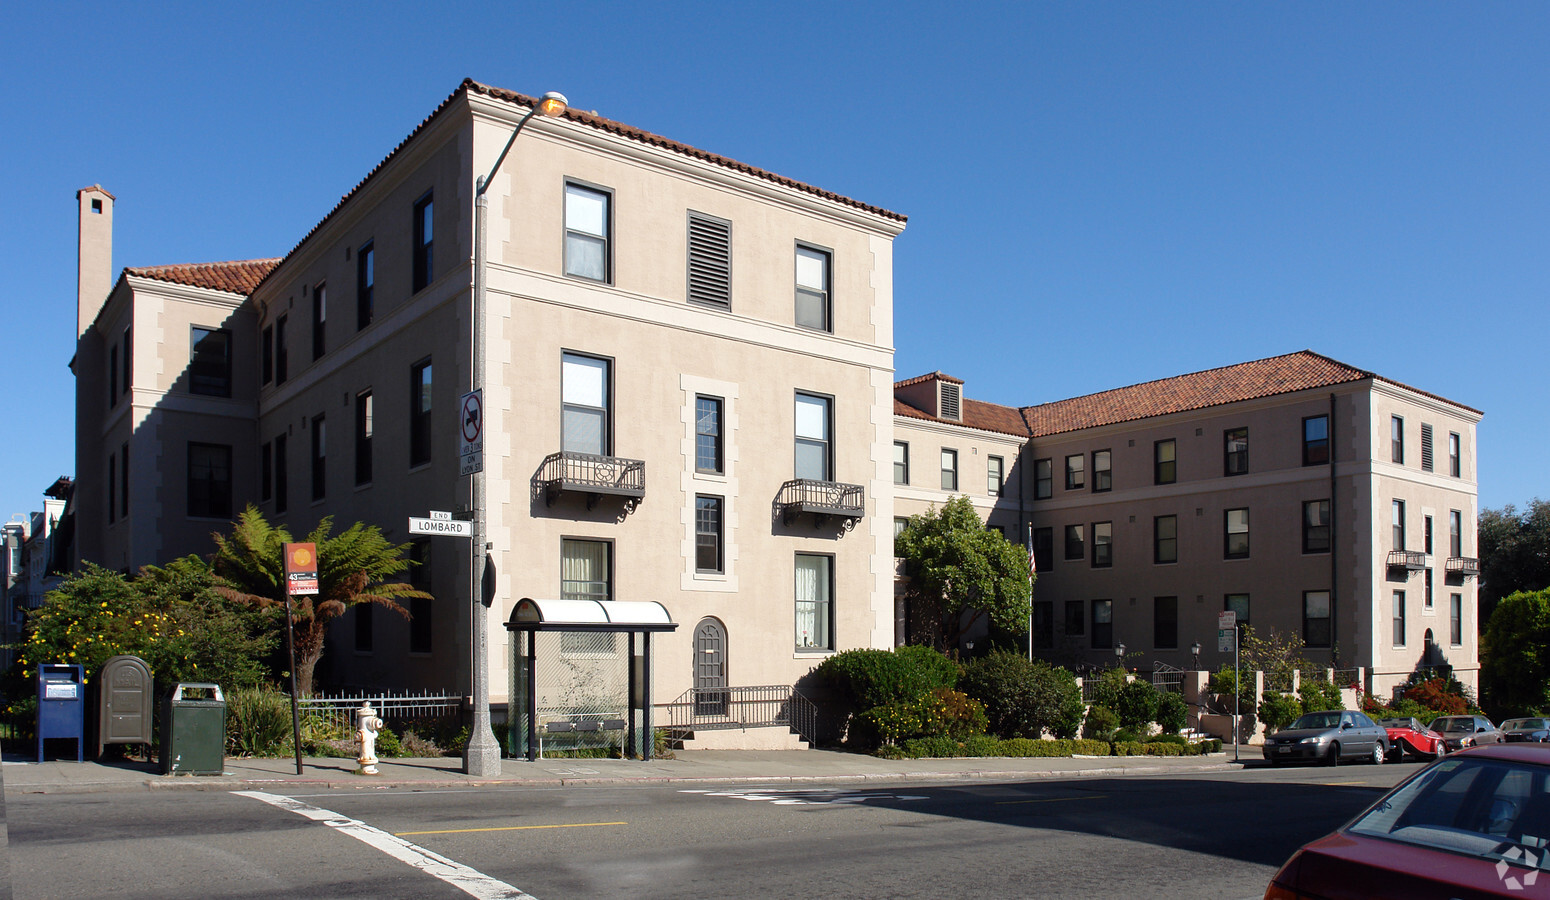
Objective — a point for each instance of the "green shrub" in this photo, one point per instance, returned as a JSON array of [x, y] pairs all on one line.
[[1319, 695], [1101, 723], [1164, 748], [1023, 698], [1209, 745], [1137, 706], [871, 678], [258, 722], [1179, 739], [965, 716], [1106, 687], [942, 747], [1225, 683], [1128, 748], [942, 712], [1435, 694], [1279, 710], [1172, 713], [388, 745], [1125, 735], [1084, 747]]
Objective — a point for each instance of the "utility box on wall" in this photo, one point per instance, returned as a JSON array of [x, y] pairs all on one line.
[[61, 706]]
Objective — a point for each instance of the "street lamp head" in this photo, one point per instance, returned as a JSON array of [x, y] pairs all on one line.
[[1195, 648], [552, 104], [1119, 651]]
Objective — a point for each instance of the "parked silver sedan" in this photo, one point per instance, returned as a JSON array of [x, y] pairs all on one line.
[[1328, 737], [1459, 732]]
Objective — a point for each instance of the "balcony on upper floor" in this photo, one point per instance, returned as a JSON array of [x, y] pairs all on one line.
[[1463, 566], [822, 499], [1409, 560], [594, 476]]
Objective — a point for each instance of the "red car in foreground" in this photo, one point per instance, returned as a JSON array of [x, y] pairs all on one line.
[[1473, 824], [1408, 736]]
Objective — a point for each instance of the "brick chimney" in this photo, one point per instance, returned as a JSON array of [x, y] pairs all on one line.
[[94, 254]]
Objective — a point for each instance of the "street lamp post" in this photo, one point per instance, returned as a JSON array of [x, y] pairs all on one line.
[[1195, 649], [482, 756]]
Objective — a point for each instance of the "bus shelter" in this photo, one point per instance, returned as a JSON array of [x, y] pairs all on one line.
[[581, 675]]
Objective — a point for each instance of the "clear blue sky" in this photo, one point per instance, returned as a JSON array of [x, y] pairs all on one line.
[[1099, 193]]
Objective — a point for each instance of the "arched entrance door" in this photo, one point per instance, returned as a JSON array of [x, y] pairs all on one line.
[[710, 668]]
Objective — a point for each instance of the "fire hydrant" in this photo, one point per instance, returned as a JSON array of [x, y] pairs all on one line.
[[367, 725]]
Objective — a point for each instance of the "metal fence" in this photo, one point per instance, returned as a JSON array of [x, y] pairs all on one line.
[[764, 706], [1168, 679], [338, 710]]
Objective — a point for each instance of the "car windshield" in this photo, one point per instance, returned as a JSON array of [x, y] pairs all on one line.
[[1318, 720], [1398, 723], [1486, 808], [1523, 725], [1454, 724]]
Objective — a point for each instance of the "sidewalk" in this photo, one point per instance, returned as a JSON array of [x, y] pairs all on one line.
[[23, 776]]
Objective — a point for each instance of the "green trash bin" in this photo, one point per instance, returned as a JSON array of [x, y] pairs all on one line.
[[193, 731]]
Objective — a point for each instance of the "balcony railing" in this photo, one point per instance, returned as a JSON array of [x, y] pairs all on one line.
[[823, 499], [1463, 566], [1409, 560], [594, 476]]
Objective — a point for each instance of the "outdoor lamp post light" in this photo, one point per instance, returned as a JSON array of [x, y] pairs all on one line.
[[1119, 655], [482, 756], [1195, 649]]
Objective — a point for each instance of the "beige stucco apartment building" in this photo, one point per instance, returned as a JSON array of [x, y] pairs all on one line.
[[1308, 496], [688, 395]]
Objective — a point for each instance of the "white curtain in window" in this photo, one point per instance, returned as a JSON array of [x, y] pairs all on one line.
[[584, 570], [812, 599]]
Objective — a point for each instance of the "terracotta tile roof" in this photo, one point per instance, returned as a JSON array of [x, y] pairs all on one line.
[[601, 124], [976, 414], [1300, 371], [929, 376], [237, 277]]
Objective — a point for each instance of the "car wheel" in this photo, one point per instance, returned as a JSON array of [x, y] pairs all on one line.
[[1379, 756], [1332, 758], [1396, 753]]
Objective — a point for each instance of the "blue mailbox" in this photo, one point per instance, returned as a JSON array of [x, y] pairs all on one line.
[[61, 706]]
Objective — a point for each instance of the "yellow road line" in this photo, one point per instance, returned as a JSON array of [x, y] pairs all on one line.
[[507, 828], [1049, 800]]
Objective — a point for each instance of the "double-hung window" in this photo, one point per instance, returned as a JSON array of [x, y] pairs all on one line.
[[585, 386], [707, 534], [1315, 526], [282, 473], [1103, 624], [112, 376], [209, 370], [901, 462], [1455, 619], [319, 320], [1044, 549], [586, 573], [995, 477], [1236, 451], [1165, 539], [1043, 479], [424, 243], [1165, 465], [1455, 533], [1237, 534], [1103, 471], [1076, 618], [1315, 441], [1076, 472], [209, 481], [365, 426], [1426, 535], [1076, 547], [949, 469], [814, 601], [266, 354], [814, 308], [123, 480], [1165, 623], [1454, 465], [1397, 440], [1103, 545], [1315, 618], [814, 452], [708, 448], [319, 458], [1398, 509], [587, 227], [1399, 618], [365, 285], [282, 353], [1238, 605], [420, 413]]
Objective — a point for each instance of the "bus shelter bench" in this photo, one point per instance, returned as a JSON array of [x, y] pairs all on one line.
[[577, 727]]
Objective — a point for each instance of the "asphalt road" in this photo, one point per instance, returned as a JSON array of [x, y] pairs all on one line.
[[1194, 836]]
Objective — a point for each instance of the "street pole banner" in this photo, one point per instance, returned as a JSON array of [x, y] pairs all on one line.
[[301, 569]]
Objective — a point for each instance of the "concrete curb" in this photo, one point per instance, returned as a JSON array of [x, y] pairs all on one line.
[[366, 783]]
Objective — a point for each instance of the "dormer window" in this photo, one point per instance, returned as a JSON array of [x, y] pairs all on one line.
[[950, 401]]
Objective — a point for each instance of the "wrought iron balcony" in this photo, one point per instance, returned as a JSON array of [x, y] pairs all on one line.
[[1409, 560], [594, 476], [1463, 566], [823, 499]]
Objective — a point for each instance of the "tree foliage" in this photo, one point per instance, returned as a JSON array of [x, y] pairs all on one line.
[[1515, 655], [963, 571], [172, 617], [1514, 550], [356, 566]]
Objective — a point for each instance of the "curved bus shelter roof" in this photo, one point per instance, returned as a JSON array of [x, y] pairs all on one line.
[[589, 615]]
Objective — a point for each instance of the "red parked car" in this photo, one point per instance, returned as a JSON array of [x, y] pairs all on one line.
[[1408, 736], [1474, 824]]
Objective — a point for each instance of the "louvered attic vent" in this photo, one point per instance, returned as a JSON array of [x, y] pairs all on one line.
[[710, 261], [950, 402], [1426, 448]]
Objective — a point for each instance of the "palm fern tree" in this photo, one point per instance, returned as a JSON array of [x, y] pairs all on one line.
[[356, 566]]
